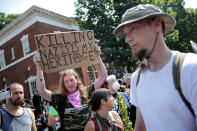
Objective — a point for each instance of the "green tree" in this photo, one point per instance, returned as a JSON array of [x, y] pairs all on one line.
[[103, 16], [187, 26], [6, 19]]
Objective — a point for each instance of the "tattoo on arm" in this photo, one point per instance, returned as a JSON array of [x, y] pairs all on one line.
[[41, 80]]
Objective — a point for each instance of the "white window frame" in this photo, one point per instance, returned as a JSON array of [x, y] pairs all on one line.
[[25, 44], [13, 53], [2, 59], [31, 81], [6, 87]]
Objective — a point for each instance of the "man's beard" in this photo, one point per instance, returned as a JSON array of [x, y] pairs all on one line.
[[140, 54], [17, 102]]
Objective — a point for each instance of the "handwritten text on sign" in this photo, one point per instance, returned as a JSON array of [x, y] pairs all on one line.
[[65, 50]]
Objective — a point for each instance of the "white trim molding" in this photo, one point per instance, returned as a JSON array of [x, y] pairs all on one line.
[[19, 60], [2, 59], [30, 80], [25, 44]]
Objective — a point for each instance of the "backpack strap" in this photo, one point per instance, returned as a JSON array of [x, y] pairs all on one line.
[[138, 77], [142, 67], [111, 115], [99, 124], [177, 65], [103, 122]]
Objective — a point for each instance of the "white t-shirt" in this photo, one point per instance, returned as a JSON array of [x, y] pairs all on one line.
[[160, 103]]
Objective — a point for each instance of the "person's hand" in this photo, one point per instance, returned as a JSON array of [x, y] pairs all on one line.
[[127, 91], [37, 60], [38, 124], [97, 50], [33, 110]]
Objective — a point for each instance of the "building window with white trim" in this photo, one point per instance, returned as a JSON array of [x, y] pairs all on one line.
[[13, 53], [2, 59], [32, 85], [25, 43]]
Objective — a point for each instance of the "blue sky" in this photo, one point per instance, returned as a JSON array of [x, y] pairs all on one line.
[[64, 7]]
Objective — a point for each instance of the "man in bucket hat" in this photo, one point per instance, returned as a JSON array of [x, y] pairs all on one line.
[[159, 105]]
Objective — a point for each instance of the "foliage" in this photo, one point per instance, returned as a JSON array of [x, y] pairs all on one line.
[[124, 114], [103, 16], [6, 19], [187, 26]]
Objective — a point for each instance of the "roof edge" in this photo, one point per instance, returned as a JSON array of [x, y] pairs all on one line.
[[33, 10]]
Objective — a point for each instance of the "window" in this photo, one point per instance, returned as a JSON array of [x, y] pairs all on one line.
[[32, 85], [13, 53], [5, 87], [91, 72], [25, 43], [2, 59]]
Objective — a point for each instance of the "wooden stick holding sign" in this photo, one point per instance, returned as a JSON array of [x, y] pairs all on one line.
[[60, 51]]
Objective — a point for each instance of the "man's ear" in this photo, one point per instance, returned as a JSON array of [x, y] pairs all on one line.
[[158, 24], [103, 101]]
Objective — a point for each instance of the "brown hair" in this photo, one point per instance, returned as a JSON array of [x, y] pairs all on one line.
[[97, 96], [80, 86]]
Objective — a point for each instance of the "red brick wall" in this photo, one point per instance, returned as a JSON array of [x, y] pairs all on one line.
[[18, 72]]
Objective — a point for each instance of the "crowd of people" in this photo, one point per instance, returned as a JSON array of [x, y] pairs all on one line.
[[147, 100]]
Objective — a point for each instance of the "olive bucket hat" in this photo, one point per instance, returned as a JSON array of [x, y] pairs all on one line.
[[143, 11]]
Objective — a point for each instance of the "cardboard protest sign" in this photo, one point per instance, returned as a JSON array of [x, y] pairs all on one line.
[[60, 51]]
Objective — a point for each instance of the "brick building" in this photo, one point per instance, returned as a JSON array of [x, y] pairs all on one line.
[[17, 47]]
